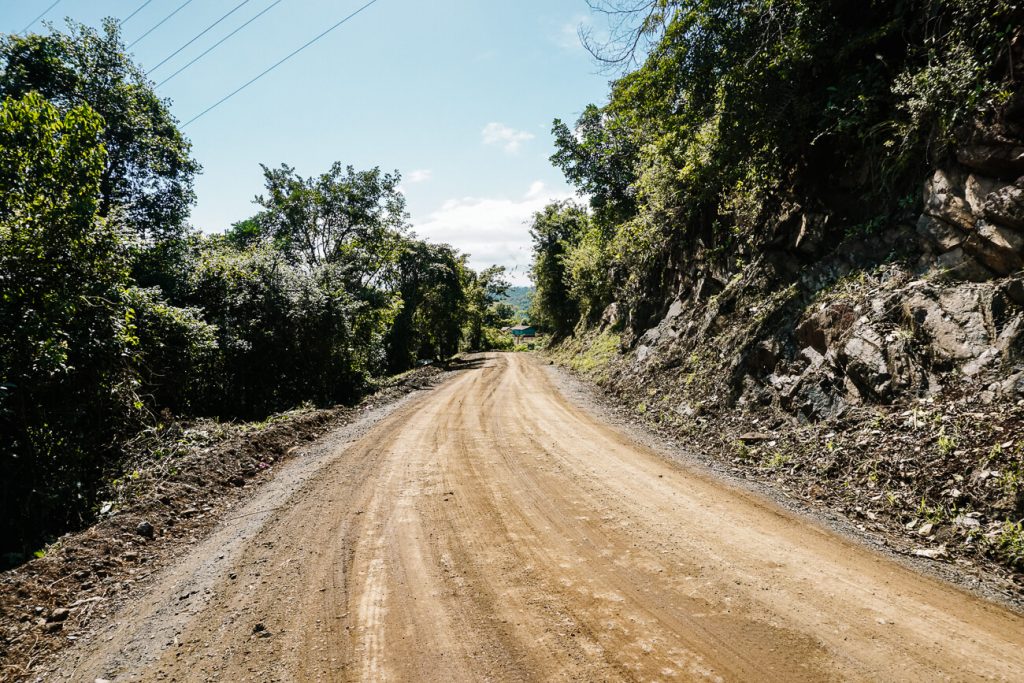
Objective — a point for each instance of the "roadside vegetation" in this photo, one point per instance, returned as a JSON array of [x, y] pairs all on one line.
[[727, 117], [117, 318]]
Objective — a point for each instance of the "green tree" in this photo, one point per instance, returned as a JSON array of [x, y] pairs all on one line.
[[148, 170], [555, 231], [67, 387], [742, 108], [285, 335], [483, 291], [343, 216], [429, 280], [601, 159]]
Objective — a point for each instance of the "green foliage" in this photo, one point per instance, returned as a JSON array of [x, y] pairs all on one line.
[[1011, 478], [114, 319], [1009, 542], [496, 340], [484, 290], [740, 108], [147, 173], [596, 353], [946, 444], [599, 157], [587, 262], [430, 283], [111, 314], [68, 390], [174, 350], [776, 460], [343, 216], [556, 231]]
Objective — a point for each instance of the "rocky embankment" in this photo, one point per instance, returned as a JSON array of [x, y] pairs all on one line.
[[883, 377]]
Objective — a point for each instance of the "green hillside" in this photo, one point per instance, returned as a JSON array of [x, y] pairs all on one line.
[[519, 299]]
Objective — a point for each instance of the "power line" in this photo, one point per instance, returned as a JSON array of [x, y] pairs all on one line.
[[137, 10], [161, 22], [229, 96], [47, 11], [200, 35], [218, 43]]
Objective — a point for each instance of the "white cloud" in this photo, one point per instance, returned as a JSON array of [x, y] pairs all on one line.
[[510, 139], [491, 230], [537, 189], [568, 35], [420, 175]]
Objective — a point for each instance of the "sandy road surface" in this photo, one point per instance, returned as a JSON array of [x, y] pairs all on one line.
[[490, 530]]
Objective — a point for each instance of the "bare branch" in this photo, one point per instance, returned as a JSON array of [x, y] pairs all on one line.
[[632, 27]]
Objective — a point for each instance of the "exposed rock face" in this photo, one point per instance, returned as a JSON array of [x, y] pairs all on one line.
[[1000, 159], [1005, 206], [974, 223], [956, 322], [833, 340]]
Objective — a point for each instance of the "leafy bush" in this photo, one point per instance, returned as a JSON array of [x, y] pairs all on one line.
[[174, 350], [496, 340], [69, 390], [283, 337]]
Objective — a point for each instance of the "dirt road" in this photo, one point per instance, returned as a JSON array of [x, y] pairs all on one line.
[[491, 530]]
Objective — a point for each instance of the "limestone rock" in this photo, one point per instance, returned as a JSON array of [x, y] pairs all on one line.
[[1013, 289], [943, 234], [944, 199], [825, 325], [1010, 343], [816, 399], [954, 321], [675, 310], [977, 189], [611, 316], [956, 264], [865, 361], [998, 248], [1005, 206]]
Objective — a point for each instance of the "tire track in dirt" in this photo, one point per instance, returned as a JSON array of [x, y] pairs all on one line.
[[492, 530]]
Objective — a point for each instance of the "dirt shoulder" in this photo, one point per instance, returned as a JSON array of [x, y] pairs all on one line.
[[743, 447], [167, 504]]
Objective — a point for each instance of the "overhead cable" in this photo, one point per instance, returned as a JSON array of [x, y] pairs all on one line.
[[137, 10], [161, 22], [200, 35], [219, 42], [277, 64], [33, 22]]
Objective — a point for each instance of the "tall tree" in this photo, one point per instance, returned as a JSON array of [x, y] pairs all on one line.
[[429, 280], [483, 291], [555, 230], [67, 389], [148, 171], [343, 216]]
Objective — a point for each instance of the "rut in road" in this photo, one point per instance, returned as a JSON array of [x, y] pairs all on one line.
[[491, 530]]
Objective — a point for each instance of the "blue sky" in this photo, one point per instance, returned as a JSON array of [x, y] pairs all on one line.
[[458, 95]]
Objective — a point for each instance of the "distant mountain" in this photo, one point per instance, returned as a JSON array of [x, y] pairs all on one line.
[[519, 298]]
